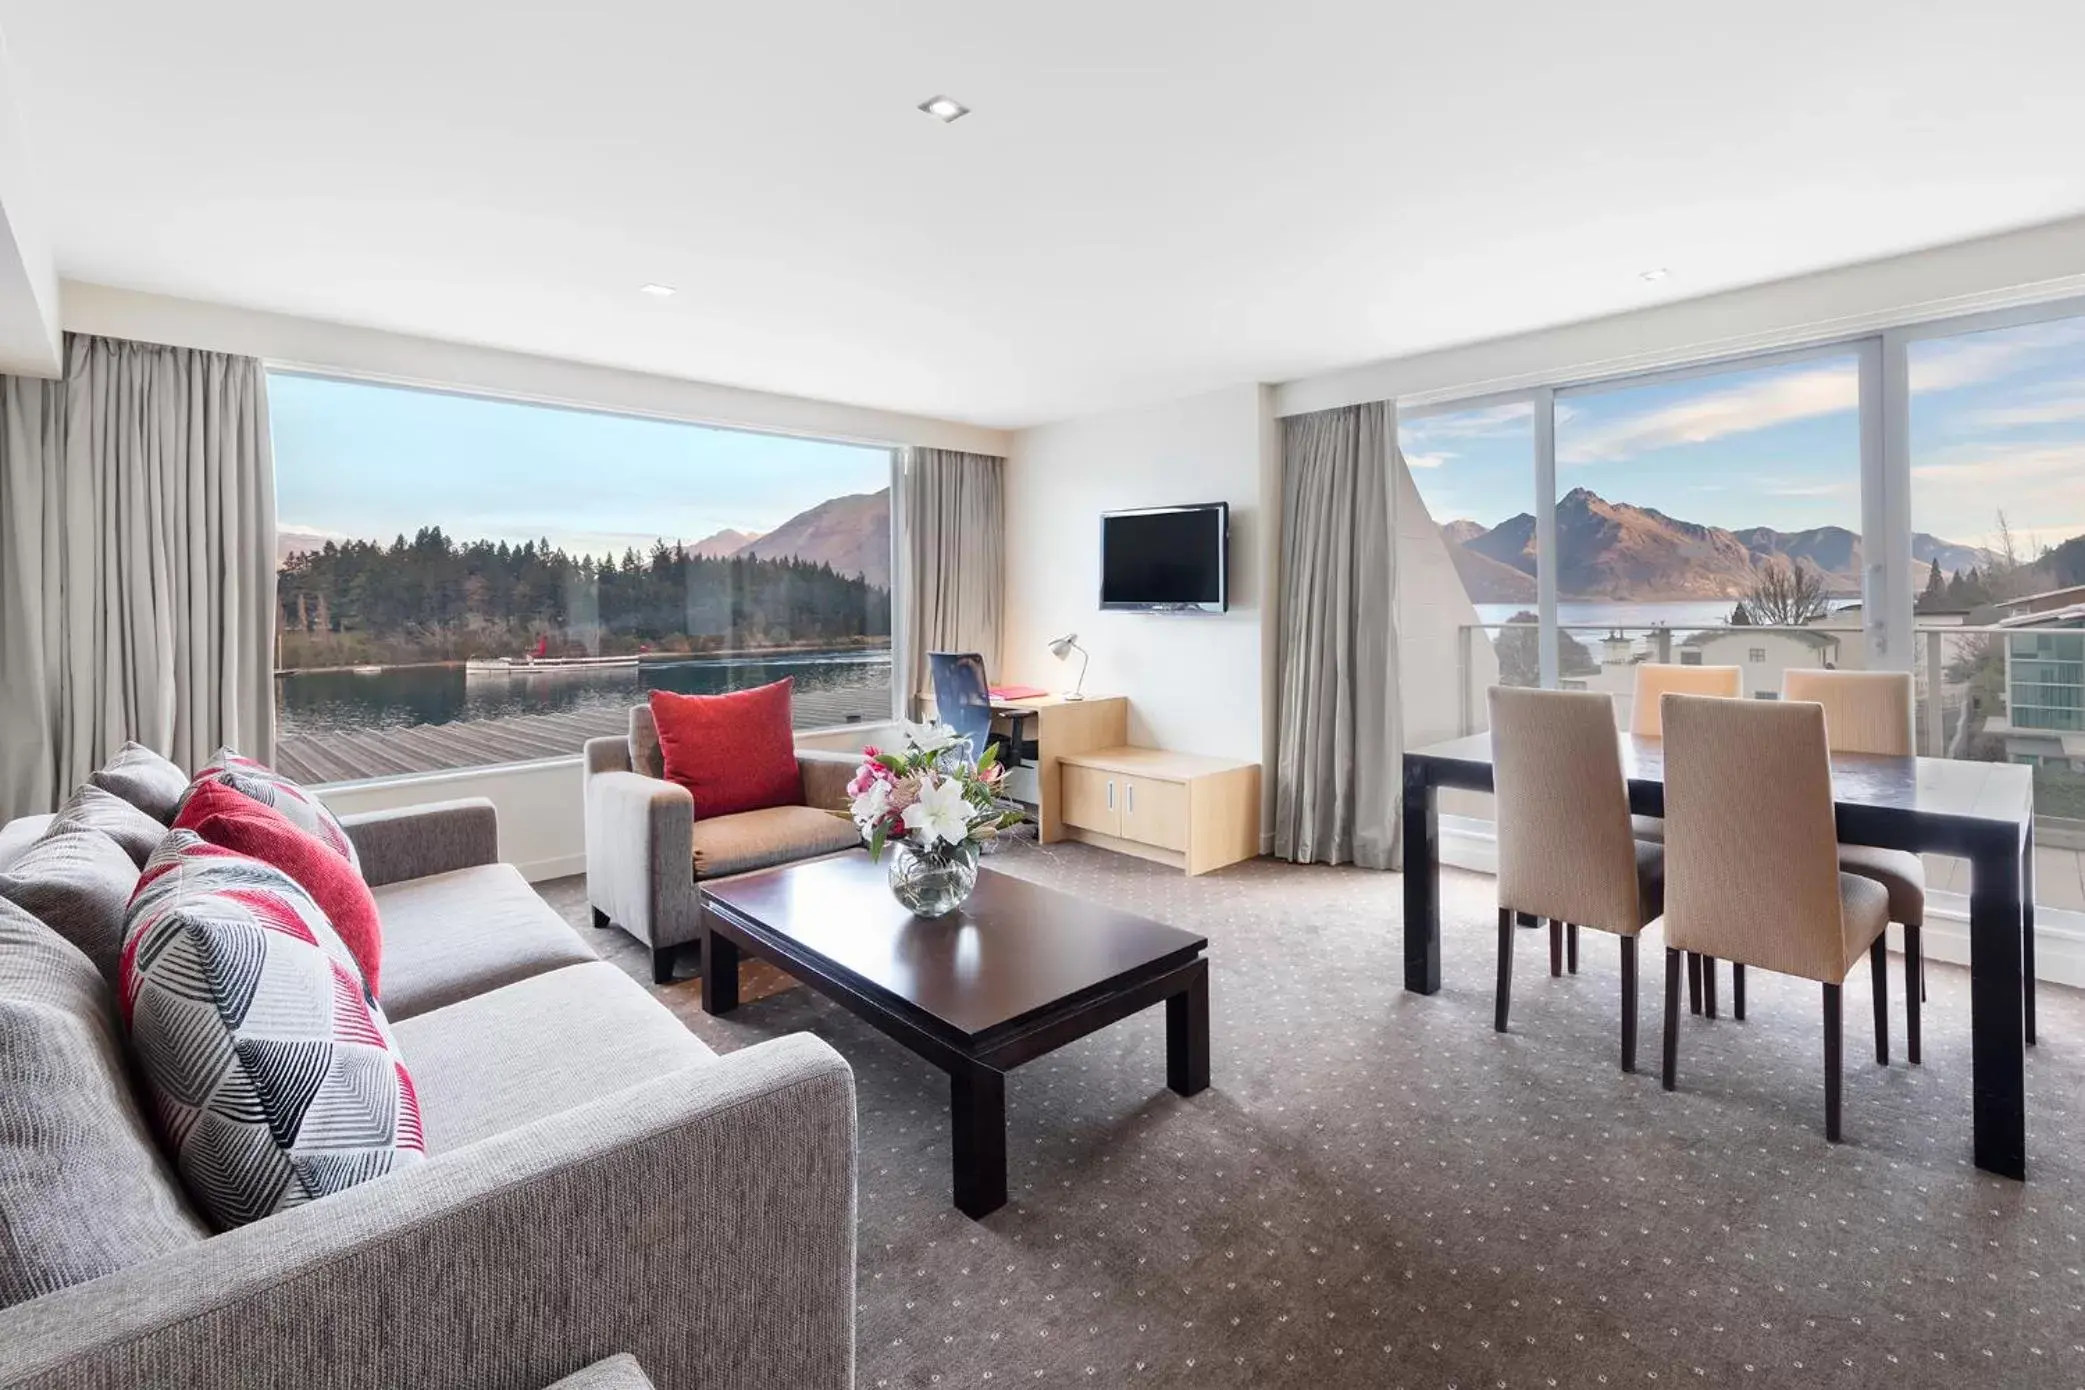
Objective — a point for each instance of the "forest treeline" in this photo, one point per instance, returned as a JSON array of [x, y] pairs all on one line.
[[431, 598]]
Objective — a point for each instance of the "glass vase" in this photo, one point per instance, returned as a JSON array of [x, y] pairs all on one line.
[[932, 883]]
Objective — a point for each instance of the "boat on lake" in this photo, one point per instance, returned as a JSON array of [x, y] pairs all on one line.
[[535, 665]]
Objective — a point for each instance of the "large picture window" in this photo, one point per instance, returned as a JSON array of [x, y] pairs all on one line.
[[466, 581]]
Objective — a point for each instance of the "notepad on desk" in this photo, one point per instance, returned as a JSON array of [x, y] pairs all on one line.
[[1017, 692]]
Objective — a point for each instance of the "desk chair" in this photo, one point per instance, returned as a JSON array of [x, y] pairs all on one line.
[[963, 701]]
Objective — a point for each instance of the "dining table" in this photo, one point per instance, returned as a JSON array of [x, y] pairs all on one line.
[[1980, 811]]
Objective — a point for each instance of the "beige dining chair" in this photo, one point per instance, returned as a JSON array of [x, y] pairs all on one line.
[[1565, 852], [1753, 862], [1871, 712], [1654, 679]]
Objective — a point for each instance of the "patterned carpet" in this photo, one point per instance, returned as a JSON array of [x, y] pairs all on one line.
[[1378, 1191]]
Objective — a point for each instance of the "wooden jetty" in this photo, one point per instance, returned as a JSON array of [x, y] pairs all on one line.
[[316, 759]]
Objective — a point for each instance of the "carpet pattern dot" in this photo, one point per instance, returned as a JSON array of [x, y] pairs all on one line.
[[1377, 1190]]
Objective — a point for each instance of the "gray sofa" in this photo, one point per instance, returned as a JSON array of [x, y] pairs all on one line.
[[646, 851], [598, 1183]]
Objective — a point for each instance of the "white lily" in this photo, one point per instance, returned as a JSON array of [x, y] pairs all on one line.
[[872, 805], [940, 814]]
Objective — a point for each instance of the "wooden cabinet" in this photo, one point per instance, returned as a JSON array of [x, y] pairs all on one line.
[[1192, 812]]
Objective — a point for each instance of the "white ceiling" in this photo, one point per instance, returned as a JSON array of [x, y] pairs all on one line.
[[1152, 197]]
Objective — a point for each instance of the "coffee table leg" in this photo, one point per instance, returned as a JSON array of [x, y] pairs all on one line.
[[1187, 1037], [977, 1107], [719, 971]]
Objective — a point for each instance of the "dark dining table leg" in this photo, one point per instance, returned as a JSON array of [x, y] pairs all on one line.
[[1422, 883], [1997, 1011], [2027, 934]]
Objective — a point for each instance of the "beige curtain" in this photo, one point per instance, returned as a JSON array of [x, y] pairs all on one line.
[[1337, 701], [137, 563], [951, 543]]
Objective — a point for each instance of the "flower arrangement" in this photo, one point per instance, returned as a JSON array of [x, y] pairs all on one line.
[[932, 797]]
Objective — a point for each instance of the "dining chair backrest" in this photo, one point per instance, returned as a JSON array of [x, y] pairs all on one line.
[[1864, 711], [962, 696], [1654, 679], [1751, 853], [1565, 848]]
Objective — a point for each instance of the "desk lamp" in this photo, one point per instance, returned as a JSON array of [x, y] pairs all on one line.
[[1062, 648]]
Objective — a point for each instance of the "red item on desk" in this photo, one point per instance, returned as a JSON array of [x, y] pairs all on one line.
[[1017, 692]]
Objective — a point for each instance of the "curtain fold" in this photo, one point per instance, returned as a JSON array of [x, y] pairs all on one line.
[[137, 563], [1339, 745], [951, 519]]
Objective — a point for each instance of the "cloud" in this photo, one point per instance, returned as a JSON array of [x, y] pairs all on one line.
[[1785, 489], [1490, 422], [1986, 464], [2051, 409], [1740, 409], [1427, 460], [1944, 364]]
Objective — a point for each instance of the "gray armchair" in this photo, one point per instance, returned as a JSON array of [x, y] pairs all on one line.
[[646, 852]]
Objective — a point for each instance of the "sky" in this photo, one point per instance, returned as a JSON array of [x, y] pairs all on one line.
[[354, 460], [1997, 423]]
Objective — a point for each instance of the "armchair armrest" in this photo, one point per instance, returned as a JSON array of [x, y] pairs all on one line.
[[416, 841], [640, 856], [826, 774], [702, 1221]]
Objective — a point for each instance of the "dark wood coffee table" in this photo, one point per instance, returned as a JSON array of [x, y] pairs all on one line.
[[1016, 972]]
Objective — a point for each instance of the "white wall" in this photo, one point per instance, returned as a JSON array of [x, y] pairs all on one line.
[[1195, 682], [2040, 263], [403, 359], [542, 817], [29, 333]]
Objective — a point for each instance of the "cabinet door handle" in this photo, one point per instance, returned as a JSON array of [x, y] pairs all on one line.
[[1111, 793], [1131, 796]]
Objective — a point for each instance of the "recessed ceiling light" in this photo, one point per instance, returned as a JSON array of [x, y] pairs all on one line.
[[1655, 275], [944, 109], [656, 291]]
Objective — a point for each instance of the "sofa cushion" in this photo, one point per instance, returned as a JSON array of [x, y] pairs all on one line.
[[272, 1073], [78, 882], [84, 1190], [762, 839], [17, 835], [94, 809], [232, 820], [542, 1045], [733, 752], [271, 788], [450, 936], [144, 779]]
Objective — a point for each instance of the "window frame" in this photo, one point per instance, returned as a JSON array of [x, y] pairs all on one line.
[[895, 451]]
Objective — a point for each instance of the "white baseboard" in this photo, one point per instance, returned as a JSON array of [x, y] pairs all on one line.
[[2059, 936], [560, 866]]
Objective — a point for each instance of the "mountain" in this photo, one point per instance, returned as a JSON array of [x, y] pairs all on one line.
[[288, 543], [852, 534], [722, 545], [1613, 550]]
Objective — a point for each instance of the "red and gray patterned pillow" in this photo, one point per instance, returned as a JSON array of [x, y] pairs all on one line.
[[272, 1074], [271, 788]]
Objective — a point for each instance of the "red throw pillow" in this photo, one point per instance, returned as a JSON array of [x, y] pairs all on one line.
[[732, 752], [232, 820]]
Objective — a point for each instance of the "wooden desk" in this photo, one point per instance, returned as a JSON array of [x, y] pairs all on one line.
[[1066, 726], [1983, 812]]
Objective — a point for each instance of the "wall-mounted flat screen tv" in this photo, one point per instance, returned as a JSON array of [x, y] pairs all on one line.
[[1166, 559]]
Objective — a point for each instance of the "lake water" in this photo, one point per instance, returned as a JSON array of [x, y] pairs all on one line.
[[397, 697]]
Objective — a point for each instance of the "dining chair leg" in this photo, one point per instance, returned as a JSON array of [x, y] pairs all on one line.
[[1879, 977], [1628, 1003], [1571, 947], [1693, 983], [1556, 948], [1672, 1016], [1737, 990], [1505, 969], [1708, 985], [1914, 987], [1834, 1045]]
